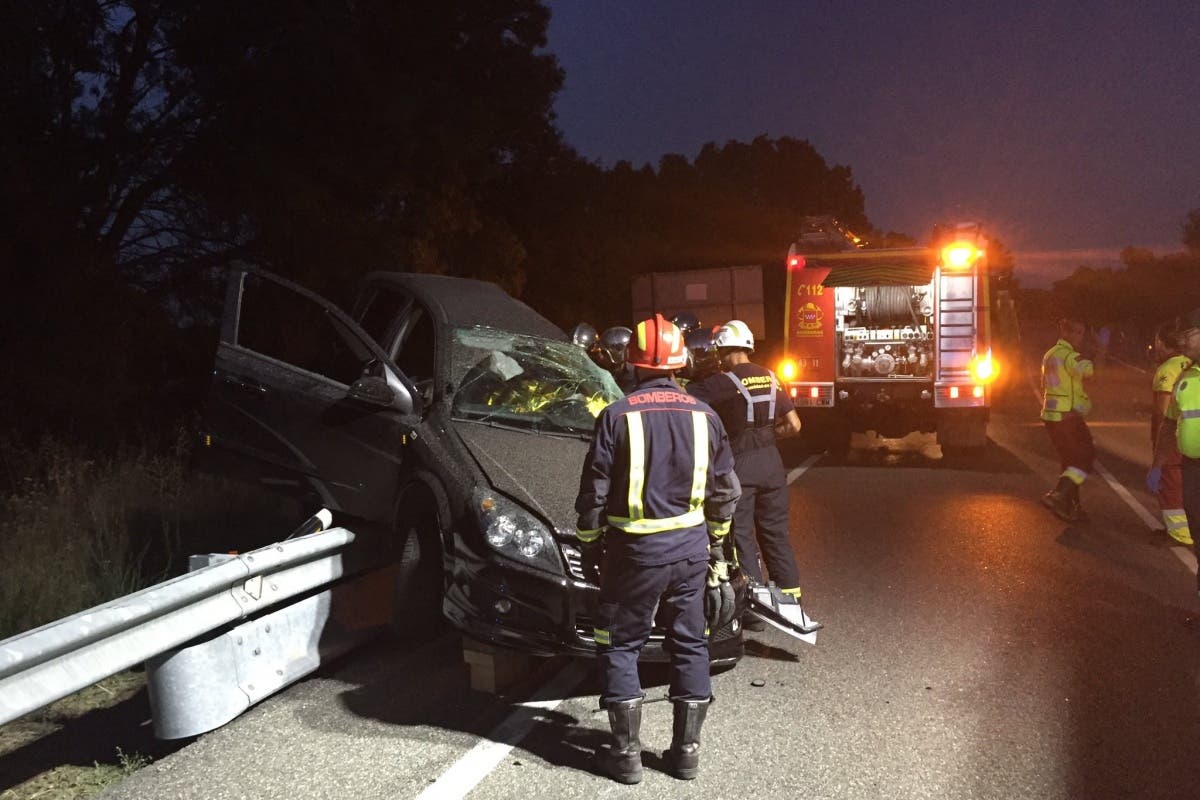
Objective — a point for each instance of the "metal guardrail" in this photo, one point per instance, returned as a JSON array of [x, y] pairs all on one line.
[[55, 660]]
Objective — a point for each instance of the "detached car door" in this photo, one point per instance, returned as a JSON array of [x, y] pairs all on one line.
[[307, 399]]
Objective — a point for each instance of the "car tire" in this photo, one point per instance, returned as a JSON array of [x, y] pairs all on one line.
[[420, 583]]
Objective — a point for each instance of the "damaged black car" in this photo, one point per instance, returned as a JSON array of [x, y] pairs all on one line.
[[446, 418]]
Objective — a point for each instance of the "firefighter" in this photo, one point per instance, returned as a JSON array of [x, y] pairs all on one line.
[[657, 491], [609, 353], [1064, 410], [1180, 430], [756, 409], [702, 359], [583, 335], [1170, 495], [687, 322]]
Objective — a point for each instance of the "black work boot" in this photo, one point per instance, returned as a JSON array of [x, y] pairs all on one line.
[[623, 760], [1077, 512], [1058, 499], [684, 755]]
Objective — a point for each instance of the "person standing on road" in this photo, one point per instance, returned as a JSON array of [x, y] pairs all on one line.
[[1179, 433], [1065, 406], [657, 491], [756, 410], [1170, 493]]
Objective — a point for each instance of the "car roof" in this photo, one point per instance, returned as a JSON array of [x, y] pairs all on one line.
[[465, 302]]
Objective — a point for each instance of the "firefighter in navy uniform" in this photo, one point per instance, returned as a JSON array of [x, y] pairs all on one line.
[[608, 352], [702, 359], [657, 491], [584, 335], [756, 409]]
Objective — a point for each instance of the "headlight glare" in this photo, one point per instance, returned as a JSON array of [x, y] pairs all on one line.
[[516, 533], [529, 543], [501, 530]]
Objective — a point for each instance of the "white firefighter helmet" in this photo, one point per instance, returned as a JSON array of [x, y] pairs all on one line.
[[734, 333]]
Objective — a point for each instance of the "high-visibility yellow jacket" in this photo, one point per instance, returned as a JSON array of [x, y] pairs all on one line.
[[1185, 409], [1063, 371]]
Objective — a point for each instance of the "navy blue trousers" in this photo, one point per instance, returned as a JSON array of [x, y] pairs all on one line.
[[760, 521], [629, 594]]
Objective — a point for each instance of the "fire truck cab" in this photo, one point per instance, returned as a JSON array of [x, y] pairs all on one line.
[[893, 340]]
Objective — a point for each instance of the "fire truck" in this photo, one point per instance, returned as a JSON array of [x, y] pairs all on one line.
[[893, 339]]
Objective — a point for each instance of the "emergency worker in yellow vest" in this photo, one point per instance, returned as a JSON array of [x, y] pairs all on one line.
[[1180, 430], [658, 489], [1170, 494], [1065, 405], [756, 410]]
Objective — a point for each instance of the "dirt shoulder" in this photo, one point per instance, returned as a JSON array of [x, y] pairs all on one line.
[[83, 743]]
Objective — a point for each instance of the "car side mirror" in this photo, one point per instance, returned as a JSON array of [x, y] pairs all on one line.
[[373, 391]]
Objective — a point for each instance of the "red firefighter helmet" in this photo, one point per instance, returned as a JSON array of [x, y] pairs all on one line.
[[658, 345]]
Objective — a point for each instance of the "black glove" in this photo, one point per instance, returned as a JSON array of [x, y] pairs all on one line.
[[719, 601], [592, 554]]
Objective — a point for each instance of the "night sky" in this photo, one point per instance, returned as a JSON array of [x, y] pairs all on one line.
[[1071, 129]]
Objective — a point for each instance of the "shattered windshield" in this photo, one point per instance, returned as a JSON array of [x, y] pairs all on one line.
[[543, 385]]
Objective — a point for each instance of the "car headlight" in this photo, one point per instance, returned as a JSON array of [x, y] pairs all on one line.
[[514, 532]]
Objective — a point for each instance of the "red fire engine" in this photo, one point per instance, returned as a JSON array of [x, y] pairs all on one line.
[[893, 340]]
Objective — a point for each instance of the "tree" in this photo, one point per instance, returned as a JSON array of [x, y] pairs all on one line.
[[148, 140], [590, 231]]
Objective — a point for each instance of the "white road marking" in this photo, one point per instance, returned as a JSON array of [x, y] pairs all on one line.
[[1152, 522], [803, 468], [466, 773]]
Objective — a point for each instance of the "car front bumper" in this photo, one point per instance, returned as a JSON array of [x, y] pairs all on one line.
[[511, 605]]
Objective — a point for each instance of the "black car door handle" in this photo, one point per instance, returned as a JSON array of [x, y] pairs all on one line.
[[249, 386]]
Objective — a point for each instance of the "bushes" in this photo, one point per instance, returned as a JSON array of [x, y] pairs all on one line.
[[81, 529]]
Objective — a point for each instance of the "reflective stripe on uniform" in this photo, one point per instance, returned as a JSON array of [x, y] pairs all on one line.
[[588, 536], [1176, 522], [718, 528], [1076, 475], [637, 464], [699, 458], [689, 519], [1190, 413], [751, 400], [602, 636], [636, 522]]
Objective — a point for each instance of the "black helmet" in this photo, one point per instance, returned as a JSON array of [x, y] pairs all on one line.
[[583, 335], [702, 354], [609, 349], [686, 321]]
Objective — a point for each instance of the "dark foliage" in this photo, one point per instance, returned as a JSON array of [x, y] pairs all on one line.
[[148, 142]]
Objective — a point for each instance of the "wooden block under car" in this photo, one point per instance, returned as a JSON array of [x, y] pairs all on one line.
[[492, 669]]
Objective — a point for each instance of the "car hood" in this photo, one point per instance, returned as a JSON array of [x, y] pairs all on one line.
[[540, 472]]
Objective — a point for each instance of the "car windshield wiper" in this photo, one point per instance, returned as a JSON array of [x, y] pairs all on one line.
[[534, 428]]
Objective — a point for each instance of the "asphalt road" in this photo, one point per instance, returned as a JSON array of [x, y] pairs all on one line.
[[975, 647]]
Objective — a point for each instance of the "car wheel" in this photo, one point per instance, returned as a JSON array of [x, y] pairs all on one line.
[[419, 579]]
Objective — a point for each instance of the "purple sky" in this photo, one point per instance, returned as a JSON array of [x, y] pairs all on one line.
[[1071, 129]]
